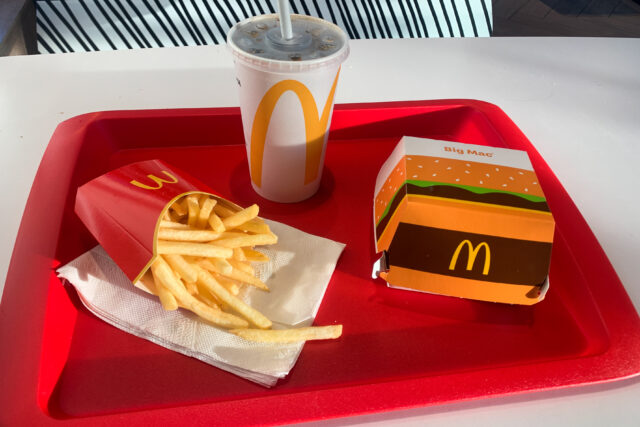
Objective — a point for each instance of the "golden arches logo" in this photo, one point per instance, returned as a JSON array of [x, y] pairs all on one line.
[[473, 253], [315, 126], [160, 181]]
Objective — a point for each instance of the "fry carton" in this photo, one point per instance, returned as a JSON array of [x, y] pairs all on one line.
[[123, 209], [462, 220], [207, 260]]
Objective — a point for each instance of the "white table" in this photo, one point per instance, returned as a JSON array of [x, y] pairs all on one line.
[[578, 101]]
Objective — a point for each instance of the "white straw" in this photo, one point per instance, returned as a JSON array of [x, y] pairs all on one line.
[[285, 19]]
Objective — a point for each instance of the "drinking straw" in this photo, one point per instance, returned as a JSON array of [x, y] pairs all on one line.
[[285, 19]]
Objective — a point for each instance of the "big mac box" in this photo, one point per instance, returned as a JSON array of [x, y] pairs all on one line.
[[462, 220]]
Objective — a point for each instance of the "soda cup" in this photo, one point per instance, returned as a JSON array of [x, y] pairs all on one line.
[[287, 89]]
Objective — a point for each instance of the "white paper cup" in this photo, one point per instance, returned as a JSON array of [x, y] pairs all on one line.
[[287, 91]]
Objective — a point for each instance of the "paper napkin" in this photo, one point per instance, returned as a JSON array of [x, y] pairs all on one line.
[[297, 274]]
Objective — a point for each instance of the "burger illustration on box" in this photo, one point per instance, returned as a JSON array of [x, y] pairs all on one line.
[[462, 220]]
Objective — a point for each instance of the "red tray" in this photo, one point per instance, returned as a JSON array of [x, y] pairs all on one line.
[[400, 349]]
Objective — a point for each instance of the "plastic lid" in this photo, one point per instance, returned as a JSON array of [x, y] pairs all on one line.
[[258, 43]]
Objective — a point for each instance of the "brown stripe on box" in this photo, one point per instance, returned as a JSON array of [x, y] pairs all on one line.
[[479, 257], [494, 197]]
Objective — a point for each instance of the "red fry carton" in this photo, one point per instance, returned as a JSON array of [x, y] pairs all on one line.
[[463, 220], [123, 209]]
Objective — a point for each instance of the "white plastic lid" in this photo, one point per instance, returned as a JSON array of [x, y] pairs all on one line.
[[316, 43]]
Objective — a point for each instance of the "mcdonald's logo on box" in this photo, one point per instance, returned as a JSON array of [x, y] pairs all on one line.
[[462, 220]]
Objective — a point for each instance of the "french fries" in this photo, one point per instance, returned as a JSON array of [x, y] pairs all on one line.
[[240, 217], [248, 240], [216, 223], [285, 336], [230, 284], [242, 266], [193, 249], [167, 299], [164, 274], [238, 254], [169, 224], [187, 235], [182, 267], [194, 210], [205, 212], [206, 280], [255, 256], [178, 209], [254, 227], [204, 253]]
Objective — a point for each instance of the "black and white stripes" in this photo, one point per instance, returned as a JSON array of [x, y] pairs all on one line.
[[87, 25]]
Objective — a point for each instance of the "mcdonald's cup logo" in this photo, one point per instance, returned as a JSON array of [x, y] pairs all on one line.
[[473, 253], [159, 181], [315, 126]]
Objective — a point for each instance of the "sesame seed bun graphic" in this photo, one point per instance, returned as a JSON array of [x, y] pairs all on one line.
[[460, 173]]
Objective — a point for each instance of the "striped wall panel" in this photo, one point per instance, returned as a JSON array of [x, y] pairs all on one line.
[[89, 25]]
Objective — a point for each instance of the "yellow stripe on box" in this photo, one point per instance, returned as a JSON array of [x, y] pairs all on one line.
[[482, 204], [464, 288]]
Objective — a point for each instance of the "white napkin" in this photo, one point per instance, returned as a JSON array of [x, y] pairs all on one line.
[[297, 274]]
